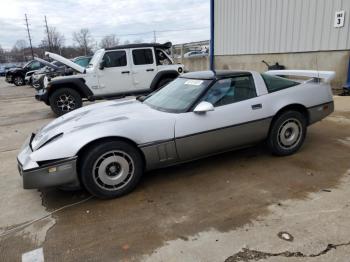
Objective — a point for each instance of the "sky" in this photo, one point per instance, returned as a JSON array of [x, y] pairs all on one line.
[[176, 21]]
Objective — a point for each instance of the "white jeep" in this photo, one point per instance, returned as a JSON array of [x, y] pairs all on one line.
[[112, 72]]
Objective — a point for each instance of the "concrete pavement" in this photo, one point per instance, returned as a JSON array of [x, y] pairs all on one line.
[[229, 207]]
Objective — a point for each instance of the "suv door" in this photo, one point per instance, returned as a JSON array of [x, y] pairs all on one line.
[[239, 119], [144, 67], [115, 76]]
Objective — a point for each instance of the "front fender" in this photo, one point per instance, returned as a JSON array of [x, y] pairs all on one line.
[[161, 74], [140, 131], [77, 84]]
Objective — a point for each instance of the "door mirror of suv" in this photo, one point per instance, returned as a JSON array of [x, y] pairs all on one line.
[[203, 107], [102, 65]]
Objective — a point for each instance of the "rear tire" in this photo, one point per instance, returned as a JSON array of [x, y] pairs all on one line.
[[287, 133], [111, 169], [64, 100], [18, 81]]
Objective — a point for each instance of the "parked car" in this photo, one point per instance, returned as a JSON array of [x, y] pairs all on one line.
[[51, 69], [197, 53], [2, 71], [55, 69], [17, 75], [112, 72], [106, 147], [7, 68]]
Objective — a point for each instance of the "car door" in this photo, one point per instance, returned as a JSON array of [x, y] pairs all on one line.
[[115, 75], [239, 118], [144, 67]]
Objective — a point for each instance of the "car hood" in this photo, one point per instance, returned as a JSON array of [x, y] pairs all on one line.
[[97, 114], [11, 70], [66, 62]]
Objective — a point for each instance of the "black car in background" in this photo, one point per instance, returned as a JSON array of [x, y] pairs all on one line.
[[17, 75]]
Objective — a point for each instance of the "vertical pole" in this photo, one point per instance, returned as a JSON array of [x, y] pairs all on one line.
[[211, 48], [182, 53], [30, 39], [48, 35], [154, 37]]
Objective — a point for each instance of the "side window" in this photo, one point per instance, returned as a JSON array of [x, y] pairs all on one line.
[[115, 59], [142, 56], [231, 90], [162, 59], [35, 65], [275, 83]]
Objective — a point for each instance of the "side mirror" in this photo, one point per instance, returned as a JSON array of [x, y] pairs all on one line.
[[203, 107], [102, 65]]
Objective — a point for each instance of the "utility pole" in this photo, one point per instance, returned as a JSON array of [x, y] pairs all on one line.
[[30, 39], [48, 34], [154, 37]]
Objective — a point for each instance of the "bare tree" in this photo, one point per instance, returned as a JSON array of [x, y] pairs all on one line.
[[20, 45], [18, 50], [84, 40], [138, 41], [109, 41], [56, 40]]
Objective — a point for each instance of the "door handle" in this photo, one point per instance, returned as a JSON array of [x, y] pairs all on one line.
[[256, 106], [125, 72], [149, 69]]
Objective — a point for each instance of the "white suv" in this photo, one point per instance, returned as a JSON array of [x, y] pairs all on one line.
[[112, 72]]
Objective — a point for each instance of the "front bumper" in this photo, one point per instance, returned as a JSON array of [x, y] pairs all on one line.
[[42, 95], [28, 80], [55, 173]]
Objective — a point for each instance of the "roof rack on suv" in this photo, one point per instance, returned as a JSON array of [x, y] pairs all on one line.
[[166, 45]]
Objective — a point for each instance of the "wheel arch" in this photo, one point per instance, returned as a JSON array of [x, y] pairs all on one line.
[[292, 107], [92, 143], [161, 75], [75, 84]]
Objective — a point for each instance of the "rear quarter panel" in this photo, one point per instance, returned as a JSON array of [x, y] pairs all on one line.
[[308, 94]]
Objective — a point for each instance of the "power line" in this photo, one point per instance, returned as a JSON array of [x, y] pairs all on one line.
[[30, 39]]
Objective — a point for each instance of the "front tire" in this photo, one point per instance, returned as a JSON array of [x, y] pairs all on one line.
[[111, 169], [65, 100], [18, 81], [287, 133]]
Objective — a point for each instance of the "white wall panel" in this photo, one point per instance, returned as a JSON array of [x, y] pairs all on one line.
[[279, 26]]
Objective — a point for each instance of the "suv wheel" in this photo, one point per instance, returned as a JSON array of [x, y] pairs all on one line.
[[111, 169], [65, 100], [287, 133], [18, 81]]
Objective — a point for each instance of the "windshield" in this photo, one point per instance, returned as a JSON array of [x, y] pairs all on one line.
[[26, 65], [95, 58], [178, 96]]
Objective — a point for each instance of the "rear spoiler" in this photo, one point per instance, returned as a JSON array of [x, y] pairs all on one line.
[[327, 76]]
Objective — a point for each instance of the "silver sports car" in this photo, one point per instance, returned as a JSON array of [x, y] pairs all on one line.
[[106, 147]]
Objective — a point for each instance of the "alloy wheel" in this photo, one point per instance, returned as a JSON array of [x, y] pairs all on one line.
[[66, 102], [290, 133], [113, 170]]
